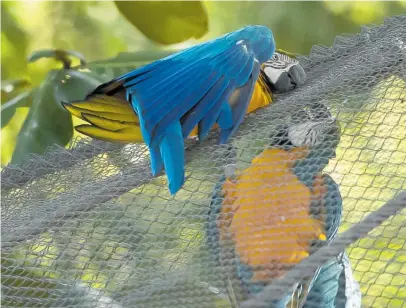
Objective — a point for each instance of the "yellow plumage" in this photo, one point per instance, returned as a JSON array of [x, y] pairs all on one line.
[[112, 118], [266, 212]]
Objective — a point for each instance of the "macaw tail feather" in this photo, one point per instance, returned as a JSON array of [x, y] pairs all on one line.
[[109, 118]]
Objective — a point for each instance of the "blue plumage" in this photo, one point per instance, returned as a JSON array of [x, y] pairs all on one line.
[[238, 106], [173, 95], [171, 144], [335, 286]]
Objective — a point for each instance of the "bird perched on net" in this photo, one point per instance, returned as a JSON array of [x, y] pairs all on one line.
[[275, 213], [164, 102]]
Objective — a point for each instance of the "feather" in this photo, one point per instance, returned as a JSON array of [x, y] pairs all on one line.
[[214, 95], [98, 108], [104, 103], [335, 286], [352, 288], [324, 290], [183, 88], [171, 149], [221, 247], [112, 125], [166, 100], [110, 119], [255, 236], [157, 164], [239, 102], [124, 135]]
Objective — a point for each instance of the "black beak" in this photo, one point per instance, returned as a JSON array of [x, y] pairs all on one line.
[[289, 80], [297, 75]]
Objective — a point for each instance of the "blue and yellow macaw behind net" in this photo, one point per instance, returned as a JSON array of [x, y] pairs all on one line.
[[275, 213], [186, 94]]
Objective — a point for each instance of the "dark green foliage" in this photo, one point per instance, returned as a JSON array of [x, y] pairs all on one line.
[[48, 122]]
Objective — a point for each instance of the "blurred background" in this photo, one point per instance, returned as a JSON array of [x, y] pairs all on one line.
[[101, 30], [59, 51]]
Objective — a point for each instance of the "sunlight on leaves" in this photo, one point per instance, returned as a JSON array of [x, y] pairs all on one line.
[[167, 22]]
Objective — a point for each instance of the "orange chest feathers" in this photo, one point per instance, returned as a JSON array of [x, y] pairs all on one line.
[[266, 213]]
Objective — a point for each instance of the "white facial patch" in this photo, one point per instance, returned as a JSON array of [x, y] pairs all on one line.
[[308, 133], [273, 74], [278, 64]]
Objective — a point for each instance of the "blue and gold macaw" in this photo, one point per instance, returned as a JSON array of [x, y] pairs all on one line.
[[164, 102], [273, 214]]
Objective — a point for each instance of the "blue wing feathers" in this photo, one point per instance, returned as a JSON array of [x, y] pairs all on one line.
[[161, 109], [164, 79], [202, 107], [180, 109], [225, 118], [212, 115], [325, 287], [174, 94], [236, 68], [245, 72], [157, 163], [240, 105], [172, 149]]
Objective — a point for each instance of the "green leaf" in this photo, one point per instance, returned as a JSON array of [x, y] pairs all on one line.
[[8, 109], [166, 22], [48, 123], [76, 84], [57, 54]]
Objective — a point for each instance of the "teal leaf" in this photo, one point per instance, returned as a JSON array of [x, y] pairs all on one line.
[[76, 84], [166, 22], [48, 123]]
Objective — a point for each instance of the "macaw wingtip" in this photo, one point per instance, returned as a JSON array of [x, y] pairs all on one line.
[[64, 105], [175, 185]]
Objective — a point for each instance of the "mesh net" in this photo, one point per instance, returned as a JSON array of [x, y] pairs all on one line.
[[90, 226]]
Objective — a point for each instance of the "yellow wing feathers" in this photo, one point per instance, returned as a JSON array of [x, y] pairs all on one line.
[[125, 135], [112, 118]]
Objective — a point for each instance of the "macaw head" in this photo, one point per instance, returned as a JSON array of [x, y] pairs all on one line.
[[314, 128], [314, 132], [283, 72]]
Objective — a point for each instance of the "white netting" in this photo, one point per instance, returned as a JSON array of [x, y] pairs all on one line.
[[90, 227]]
